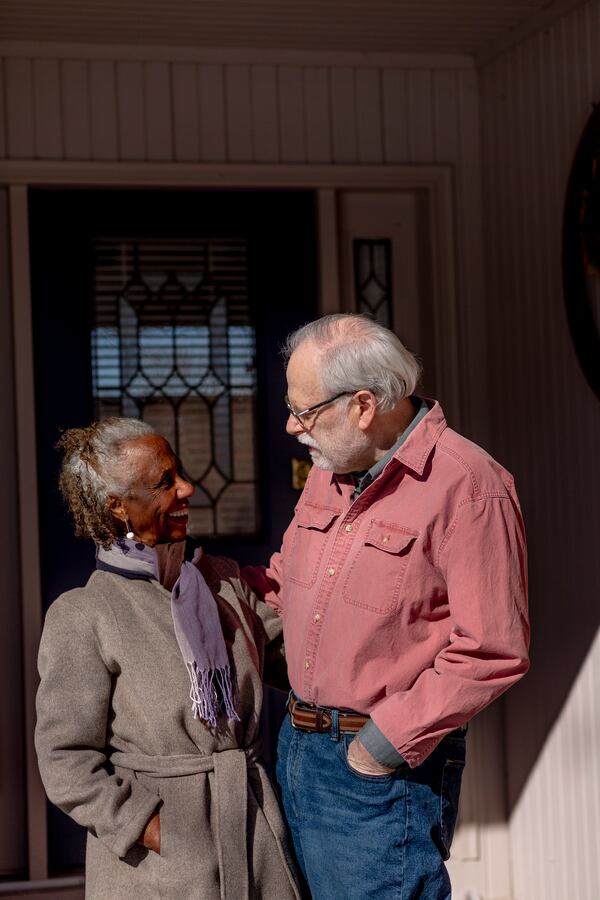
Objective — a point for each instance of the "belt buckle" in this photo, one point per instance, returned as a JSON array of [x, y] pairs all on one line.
[[319, 714], [297, 727], [292, 709], [300, 728]]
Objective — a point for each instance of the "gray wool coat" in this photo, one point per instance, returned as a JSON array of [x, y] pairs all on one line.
[[116, 740]]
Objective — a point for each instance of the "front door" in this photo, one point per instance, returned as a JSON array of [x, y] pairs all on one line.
[[171, 306]]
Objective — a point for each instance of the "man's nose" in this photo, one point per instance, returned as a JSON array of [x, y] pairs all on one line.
[[293, 426]]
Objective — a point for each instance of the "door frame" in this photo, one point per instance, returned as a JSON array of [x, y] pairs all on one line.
[[435, 181]]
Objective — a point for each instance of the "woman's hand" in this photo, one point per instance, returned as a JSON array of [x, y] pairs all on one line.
[[150, 836]]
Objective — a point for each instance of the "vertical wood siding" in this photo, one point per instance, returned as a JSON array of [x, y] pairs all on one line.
[[13, 848], [535, 101], [132, 109]]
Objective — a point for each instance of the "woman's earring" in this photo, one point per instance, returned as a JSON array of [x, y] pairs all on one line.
[[129, 534]]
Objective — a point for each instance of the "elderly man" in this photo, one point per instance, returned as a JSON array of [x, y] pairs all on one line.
[[402, 586]]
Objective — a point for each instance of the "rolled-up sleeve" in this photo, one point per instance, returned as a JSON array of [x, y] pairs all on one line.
[[483, 561], [73, 706]]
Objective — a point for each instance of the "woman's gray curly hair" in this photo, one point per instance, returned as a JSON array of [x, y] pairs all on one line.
[[90, 474], [355, 352]]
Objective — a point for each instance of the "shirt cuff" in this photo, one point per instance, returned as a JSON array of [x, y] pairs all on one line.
[[379, 747]]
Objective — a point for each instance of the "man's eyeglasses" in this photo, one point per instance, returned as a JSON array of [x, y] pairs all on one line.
[[305, 416]]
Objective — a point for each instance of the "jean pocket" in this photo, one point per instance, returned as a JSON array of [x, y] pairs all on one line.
[[373, 779], [449, 796]]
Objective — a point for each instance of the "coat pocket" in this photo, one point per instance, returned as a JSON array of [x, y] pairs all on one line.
[[374, 580], [312, 527]]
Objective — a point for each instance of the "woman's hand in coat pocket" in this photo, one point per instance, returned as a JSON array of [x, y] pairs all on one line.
[[150, 836]]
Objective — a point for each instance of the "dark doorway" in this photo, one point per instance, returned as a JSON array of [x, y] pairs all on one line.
[[70, 230]]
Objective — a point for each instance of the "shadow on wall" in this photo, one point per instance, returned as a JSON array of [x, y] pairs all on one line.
[[559, 485], [565, 617], [509, 737]]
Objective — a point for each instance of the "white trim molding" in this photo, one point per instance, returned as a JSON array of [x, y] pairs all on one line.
[[239, 55], [28, 518], [47, 887], [222, 175]]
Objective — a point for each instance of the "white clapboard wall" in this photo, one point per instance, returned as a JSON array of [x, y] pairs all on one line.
[[535, 101]]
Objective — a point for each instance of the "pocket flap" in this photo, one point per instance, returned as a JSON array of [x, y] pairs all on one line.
[[309, 515], [390, 537]]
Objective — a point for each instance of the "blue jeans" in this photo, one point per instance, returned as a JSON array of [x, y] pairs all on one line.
[[362, 836]]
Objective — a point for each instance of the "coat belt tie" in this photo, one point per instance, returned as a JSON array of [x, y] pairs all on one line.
[[230, 806]]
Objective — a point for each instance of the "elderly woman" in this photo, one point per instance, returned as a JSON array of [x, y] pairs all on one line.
[[149, 702]]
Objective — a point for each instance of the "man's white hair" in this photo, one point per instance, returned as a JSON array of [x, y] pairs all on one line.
[[356, 353]]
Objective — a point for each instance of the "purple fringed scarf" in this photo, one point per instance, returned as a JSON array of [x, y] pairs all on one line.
[[196, 622]]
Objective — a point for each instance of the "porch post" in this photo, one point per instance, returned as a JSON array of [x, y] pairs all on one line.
[[27, 538]]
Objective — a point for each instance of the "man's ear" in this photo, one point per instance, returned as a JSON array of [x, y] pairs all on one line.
[[367, 406], [116, 507]]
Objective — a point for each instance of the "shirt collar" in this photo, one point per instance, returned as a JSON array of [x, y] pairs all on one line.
[[364, 479], [418, 446], [414, 446]]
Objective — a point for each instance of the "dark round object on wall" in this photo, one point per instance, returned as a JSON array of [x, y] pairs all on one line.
[[581, 251]]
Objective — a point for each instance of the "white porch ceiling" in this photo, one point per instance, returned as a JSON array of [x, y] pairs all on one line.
[[468, 27]]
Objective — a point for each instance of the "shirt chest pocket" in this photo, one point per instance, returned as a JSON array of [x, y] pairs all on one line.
[[313, 527], [374, 580]]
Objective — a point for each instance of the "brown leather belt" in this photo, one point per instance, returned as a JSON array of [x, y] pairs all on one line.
[[319, 718]]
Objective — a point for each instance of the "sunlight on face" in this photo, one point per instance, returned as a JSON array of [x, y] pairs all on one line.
[[158, 506], [334, 441]]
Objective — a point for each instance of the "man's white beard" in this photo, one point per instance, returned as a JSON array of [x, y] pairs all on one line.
[[322, 462], [342, 454]]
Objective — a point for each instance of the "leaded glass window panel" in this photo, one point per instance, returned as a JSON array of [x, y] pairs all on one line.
[[173, 343], [373, 278]]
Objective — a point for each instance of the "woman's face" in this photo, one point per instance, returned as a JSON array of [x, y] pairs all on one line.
[[157, 509]]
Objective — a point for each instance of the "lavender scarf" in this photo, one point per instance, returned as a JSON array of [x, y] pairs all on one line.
[[196, 622]]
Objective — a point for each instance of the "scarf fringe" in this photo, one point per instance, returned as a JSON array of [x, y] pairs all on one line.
[[206, 699]]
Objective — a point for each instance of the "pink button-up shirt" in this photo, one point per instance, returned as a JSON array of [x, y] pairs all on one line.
[[409, 603]]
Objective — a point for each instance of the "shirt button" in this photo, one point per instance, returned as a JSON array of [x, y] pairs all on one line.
[[317, 617], [307, 664], [331, 571], [386, 539], [348, 528]]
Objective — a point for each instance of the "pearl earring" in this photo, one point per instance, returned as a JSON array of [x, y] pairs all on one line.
[[129, 534]]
